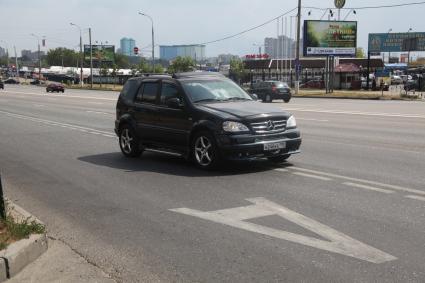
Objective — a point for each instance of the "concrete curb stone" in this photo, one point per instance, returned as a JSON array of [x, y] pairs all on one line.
[[21, 253]]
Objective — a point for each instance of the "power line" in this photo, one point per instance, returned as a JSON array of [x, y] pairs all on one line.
[[248, 30], [370, 7]]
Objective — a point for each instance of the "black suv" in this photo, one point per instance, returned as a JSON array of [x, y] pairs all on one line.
[[269, 90], [201, 116]]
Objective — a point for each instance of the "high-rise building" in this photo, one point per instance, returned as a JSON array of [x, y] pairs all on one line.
[[281, 47], [127, 46], [3, 52], [170, 52]]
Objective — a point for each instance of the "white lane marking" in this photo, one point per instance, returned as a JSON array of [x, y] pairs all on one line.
[[39, 105], [62, 95], [99, 112], [281, 170], [338, 242], [394, 187], [368, 188], [312, 176], [415, 197], [97, 103], [63, 125], [419, 116], [316, 120]]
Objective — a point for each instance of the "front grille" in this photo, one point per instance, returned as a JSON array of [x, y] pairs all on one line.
[[269, 126]]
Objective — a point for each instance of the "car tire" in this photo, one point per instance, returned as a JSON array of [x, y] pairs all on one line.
[[279, 159], [129, 142], [268, 98], [63, 91], [286, 100], [204, 151]]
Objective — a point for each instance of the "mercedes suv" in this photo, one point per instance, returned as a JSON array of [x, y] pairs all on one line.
[[204, 117]]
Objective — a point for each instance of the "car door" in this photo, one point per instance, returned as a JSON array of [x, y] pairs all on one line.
[[145, 110], [174, 123]]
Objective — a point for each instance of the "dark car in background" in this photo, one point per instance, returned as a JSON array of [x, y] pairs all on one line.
[[203, 117], [55, 87], [267, 91], [11, 81]]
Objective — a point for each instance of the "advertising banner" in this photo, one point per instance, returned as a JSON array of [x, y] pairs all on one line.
[[323, 38], [397, 42], [101, 53]]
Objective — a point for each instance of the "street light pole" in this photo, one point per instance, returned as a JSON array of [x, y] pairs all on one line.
[[297, 60], [91, 60], [153, 41], [81, 54], [410, 47], [389, 52], [39, 59]]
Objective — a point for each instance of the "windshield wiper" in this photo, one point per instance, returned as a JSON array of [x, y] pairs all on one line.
[[237, 98], [207, 100]]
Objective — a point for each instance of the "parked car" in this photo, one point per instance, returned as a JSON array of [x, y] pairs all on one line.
[[317, 84], [11, 81], [396, 80], [55, 87], [269, 90], [1, 84], [35, 82], [204, 117]]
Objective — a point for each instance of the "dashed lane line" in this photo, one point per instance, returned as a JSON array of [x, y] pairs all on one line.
[[415, 197], [370, 188], [62, 95], [393, 187], [312, 176]]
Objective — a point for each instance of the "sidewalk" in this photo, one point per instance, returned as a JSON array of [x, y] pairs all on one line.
[[61, 264]]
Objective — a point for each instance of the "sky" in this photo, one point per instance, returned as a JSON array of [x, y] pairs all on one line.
[[180, 21]]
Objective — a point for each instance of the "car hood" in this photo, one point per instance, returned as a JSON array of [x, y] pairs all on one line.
[[245, 109]]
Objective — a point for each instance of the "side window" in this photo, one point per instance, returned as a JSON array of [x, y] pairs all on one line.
[[147, 92], [168, 91], [129, 89]]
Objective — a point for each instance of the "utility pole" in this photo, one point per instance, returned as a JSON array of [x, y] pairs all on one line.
[[153, 41], [81, 54], [297, 60], [16, 62], [91, 60], [39, 57]]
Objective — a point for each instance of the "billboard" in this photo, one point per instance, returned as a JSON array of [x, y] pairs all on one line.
[[396, 42], [322, 38], [101, 53]]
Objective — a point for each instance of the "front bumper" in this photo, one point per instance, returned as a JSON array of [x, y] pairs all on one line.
[[251, 147]]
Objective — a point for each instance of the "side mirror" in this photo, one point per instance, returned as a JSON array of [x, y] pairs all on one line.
[[254, 96], [174, 103]]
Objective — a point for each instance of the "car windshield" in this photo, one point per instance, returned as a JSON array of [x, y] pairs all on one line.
[[214, 91]]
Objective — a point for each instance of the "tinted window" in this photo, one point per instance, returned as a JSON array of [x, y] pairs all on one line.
[[129, 89], [168, 91], [147, 92]]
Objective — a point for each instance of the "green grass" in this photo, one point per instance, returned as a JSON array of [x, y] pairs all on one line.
[[12, 231]]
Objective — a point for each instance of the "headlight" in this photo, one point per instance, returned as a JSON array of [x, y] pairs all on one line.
[[234, 127], [291, 123]]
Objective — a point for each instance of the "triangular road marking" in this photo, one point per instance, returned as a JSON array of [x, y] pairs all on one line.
[[338, 242]]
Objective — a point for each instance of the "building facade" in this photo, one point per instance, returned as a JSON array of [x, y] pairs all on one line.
[[127, 46], [170, 52], [281, 47]]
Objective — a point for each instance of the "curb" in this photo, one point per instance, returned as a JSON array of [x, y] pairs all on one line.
[[23, 252]]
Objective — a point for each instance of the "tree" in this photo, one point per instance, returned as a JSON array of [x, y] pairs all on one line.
[[122, 61], [182, 64], [56, 56], [360, 52], [237, 70]]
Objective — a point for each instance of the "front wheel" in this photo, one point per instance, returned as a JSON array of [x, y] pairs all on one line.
[[279, 159], [129, 142], [204, 150], [268, 98]]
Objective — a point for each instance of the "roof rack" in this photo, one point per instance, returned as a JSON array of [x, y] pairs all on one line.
[[196, 74]]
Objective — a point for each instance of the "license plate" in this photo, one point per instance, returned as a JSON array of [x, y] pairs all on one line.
[[274, 146]]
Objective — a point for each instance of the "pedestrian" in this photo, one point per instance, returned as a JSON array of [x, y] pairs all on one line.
[[374, 84]]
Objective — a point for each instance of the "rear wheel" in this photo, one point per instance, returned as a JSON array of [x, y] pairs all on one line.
[[286, 100], [279, 159], [204, 150], [129, 142]]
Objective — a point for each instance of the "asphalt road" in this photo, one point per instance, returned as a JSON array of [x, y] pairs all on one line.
[[349, 208]]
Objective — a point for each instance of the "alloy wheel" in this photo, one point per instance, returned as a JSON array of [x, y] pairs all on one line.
[[126, 140], [203, 151]]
